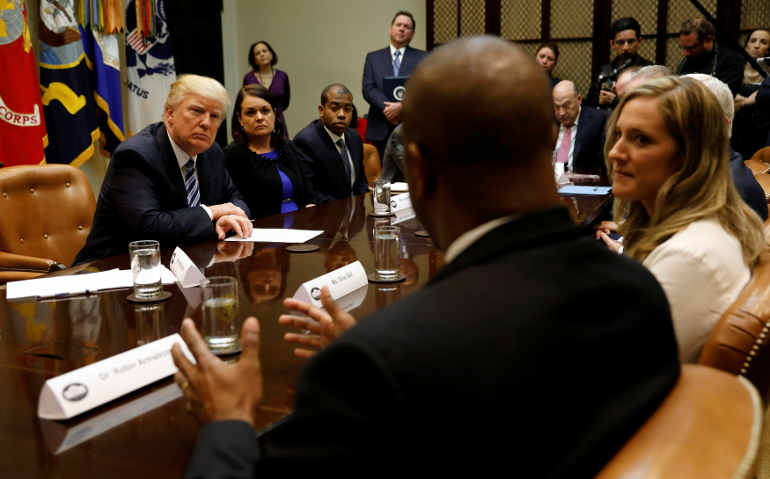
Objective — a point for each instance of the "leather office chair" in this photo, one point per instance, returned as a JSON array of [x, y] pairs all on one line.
[[372, 166], [738, 343], [709, 426], [46, 214]]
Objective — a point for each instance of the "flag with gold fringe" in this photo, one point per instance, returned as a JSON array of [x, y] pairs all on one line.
[[150, 63], [22, 125], [102, 22], [65, 81]]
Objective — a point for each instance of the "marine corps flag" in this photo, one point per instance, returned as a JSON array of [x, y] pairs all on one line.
[[65, 81], [22, 128]]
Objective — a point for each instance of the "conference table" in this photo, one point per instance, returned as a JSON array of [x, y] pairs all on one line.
[[149, 432]]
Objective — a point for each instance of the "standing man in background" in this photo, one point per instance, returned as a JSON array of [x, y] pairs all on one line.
[[397, 60]]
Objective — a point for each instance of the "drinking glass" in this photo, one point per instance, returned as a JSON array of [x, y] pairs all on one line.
[[221, 326], [145, 268], [387, 253]]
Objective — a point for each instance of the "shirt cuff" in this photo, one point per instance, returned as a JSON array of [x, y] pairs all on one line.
[[208, 211], [620, 251]]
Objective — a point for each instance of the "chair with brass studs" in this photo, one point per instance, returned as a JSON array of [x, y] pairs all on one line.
[[46, 214]]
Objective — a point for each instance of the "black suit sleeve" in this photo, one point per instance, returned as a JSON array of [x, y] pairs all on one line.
[[134, 194], [372, 93], [224, 449], [361, 185]]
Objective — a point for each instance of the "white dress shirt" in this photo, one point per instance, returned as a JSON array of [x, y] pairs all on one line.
[[573, 132], [335, 138]]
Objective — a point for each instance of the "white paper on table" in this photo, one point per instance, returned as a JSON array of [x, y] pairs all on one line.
[[341, 282], [85, 388], [77, 284], [399, 187], [278, 235]]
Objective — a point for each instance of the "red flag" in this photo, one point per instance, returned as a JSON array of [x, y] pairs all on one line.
[[22, 126]]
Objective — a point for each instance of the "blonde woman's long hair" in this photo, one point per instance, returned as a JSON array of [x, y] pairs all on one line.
[[701, 188]]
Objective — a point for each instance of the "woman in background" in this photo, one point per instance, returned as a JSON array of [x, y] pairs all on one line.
[[263, 164], [675, 203], [547, 56], [262, 59], [750, 126]]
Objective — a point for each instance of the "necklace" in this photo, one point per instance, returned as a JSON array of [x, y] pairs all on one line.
[[265, 80]]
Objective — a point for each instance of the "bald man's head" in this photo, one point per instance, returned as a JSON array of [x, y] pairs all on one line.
[[479, 99], [566, 102]]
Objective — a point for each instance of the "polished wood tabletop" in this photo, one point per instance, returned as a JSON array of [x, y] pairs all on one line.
[[149, 433]]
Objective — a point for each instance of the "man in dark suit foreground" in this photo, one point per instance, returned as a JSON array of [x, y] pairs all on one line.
[[580, 144], [396, 60], [332, 152], [529, 351], [168, 182]]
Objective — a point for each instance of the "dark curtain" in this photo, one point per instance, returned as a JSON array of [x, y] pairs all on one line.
[[196, 40]]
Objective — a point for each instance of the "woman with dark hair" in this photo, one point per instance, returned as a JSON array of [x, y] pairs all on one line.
[[547, 55], [750, 125], [263, 164], [262, 59]]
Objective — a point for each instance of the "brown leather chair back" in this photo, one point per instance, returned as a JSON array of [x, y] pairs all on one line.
[[45, 211], [738, 343], [372, 165], [709, 426]]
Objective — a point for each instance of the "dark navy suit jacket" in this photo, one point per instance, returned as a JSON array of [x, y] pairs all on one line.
[[588, 154], [747, 186], [143, 196], [323, 163], [378, 65]]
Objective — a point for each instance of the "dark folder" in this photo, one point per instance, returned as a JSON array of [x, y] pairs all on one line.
[[394, 88]]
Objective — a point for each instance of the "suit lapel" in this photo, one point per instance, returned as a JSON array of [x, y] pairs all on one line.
[[334, 156], [579, 137], [170, 165]]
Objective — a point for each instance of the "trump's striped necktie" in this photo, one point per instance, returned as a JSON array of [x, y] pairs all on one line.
[[191, 184]]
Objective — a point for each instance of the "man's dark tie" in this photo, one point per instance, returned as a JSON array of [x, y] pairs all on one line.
[[345, 159], [191, 184], [396, 62]]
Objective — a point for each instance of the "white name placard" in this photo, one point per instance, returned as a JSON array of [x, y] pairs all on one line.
[[341, 282], [401, 207], [60, 438], [187, 274], [85, 388]]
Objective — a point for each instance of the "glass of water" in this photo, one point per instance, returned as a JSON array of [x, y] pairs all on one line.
[[221, 326], [145, 268], [387, 253], [381, 197]]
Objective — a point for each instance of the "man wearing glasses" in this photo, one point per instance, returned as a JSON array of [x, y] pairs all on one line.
[[626, 39], [703, 54]]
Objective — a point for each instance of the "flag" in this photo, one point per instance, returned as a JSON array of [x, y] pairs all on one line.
[[103, 53], [65, 81], [22, 125], [150, 64]]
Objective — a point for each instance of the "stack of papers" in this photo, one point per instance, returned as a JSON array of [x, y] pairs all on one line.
[[77, 284], [278, 235]]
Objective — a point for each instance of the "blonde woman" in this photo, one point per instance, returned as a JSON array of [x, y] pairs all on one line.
[[676, 206]]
